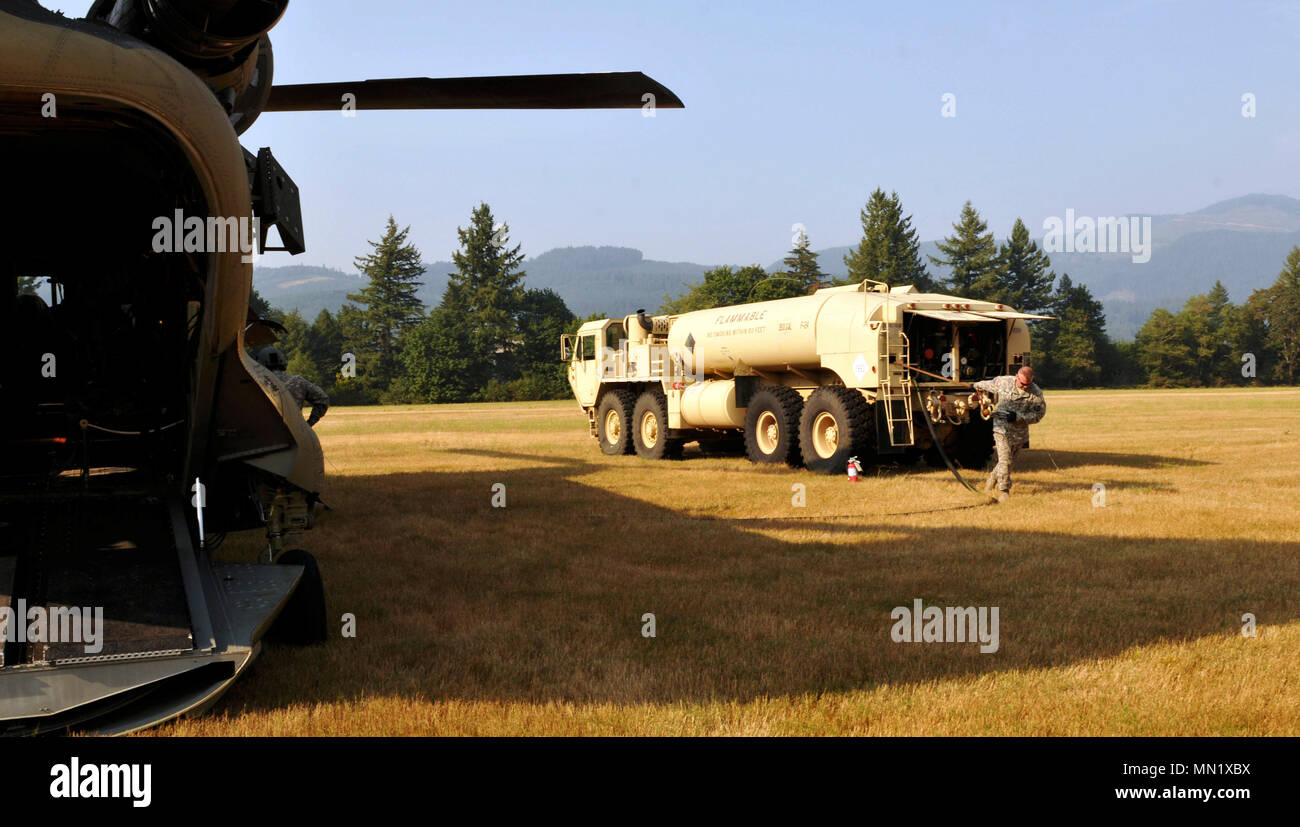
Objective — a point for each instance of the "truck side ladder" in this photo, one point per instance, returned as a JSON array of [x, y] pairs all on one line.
[[896, 382]]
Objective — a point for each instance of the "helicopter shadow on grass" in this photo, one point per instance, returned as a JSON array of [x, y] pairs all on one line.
[[543, 600]]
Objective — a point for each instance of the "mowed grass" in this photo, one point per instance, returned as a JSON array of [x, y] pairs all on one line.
[[775, 619]]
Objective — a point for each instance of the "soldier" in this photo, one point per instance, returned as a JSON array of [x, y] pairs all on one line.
[[303, 391], [1019, 404]]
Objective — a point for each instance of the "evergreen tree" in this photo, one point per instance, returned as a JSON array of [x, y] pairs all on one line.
[[1025, 282], [485, 293], [1280, 305], [439, 359], [354, 330], [294, 338], [324, 346], [388, 305], [1253, 339], [1125, 366], [725, 286], [1074, 347], [889, 250], [801, 267], [543, 319], [1162, 346], [971, 255], [302, 365], [1212, 324]]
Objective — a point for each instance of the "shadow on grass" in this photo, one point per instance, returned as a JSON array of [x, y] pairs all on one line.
[[1039, 459], [543, 600]]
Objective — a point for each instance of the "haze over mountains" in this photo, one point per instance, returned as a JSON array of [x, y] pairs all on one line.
[[1241, 242]]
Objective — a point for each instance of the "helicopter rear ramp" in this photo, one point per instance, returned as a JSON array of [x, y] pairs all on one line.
[[139, 626]]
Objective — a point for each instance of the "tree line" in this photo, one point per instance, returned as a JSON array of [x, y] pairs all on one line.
[[491, 338], [1210, 341]]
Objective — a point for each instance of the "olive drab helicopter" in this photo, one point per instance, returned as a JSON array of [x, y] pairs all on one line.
[[136, 428]]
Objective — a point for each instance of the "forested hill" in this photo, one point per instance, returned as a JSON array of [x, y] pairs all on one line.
[[613, 280]]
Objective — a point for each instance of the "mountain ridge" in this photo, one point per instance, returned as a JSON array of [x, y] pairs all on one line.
[[1240, 241]]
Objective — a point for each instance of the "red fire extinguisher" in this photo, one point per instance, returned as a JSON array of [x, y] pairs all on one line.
[[854, 469]]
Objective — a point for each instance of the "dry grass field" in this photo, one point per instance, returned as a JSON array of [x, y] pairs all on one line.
[[774, 619]]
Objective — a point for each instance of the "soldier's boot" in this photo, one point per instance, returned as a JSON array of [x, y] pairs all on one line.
[[1002, 496]]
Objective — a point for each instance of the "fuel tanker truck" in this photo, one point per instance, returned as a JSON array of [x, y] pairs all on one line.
[[811, 381]]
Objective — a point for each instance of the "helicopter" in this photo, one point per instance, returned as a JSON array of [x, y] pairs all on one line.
[[137, 428]]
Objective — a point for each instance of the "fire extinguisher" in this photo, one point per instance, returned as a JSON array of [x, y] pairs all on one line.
[[854, 469]]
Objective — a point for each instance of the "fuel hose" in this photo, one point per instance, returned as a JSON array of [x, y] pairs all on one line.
[[938, 445]]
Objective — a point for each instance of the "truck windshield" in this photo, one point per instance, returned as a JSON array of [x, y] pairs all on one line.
[[614, 334]]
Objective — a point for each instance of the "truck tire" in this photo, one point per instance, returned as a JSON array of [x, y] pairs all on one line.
[[772, 426], [650, 427], [614, 422], [836, 425]]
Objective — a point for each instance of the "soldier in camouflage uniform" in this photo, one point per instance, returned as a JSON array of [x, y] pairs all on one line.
[[1019, 404], [303, 391]]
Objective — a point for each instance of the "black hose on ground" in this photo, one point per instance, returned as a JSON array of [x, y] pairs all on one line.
[[939, 447]]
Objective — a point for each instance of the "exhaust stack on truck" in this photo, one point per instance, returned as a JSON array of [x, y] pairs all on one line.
[[812, 381]]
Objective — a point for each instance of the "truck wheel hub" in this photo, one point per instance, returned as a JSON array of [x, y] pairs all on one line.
[[826, 435], [769, 432], [649, 429], [613, 427]]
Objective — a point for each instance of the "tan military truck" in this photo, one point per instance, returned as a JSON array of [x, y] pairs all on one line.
[[812, 381]]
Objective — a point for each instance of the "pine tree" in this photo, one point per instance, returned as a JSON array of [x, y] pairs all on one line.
[[800, 265], [294, 338], [485, 293], [1163, 349], [354, 333], [389, 304], [1281, 313], [1252, 339], [1212, 325], [889, 250], [1025, 282], [1072, 349], [971, 255], [440, 361], [324, 346], [726, 286], [543, 319]]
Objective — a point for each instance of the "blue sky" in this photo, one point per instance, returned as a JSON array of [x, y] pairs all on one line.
[[795, 112]]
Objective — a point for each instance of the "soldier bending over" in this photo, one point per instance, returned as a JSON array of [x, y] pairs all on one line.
[[1019, 404]]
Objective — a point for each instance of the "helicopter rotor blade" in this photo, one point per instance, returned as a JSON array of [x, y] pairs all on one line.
[[597, 90]]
